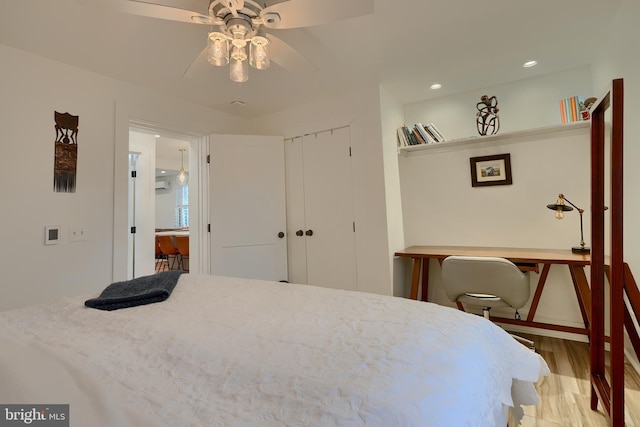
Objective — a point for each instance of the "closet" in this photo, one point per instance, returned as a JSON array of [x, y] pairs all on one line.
[[320, 214]]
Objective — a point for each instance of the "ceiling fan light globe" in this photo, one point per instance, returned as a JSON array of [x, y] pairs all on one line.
[[217, 49], [239, 70], [259, 40], [238, 53], [259, 55]]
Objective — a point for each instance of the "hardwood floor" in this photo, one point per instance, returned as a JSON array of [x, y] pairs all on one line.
[[565, 394]]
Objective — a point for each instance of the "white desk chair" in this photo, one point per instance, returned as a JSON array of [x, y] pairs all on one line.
[[487, 282]]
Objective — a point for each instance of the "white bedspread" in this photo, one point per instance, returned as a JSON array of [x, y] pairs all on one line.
[[234, 352]]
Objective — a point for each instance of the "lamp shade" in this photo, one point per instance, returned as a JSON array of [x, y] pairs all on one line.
[[217, 49], [182, 176], [259, 52], [560, 207]]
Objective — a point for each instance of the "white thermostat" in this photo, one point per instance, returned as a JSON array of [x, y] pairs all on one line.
[[51, 234]]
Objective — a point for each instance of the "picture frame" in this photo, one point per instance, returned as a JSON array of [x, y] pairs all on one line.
[[491, 170]]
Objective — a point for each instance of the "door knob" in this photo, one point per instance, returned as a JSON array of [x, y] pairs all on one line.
[[309, 233], [281, 234], [299, 233]]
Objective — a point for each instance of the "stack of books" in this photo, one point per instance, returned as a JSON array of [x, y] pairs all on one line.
[[418, 134], [572, 109]]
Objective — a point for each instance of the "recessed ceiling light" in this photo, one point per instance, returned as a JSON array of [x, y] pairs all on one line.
[[529, 64], [436, 86], [239, 103]]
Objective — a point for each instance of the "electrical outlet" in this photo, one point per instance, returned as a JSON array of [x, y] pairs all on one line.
[[77, 234]]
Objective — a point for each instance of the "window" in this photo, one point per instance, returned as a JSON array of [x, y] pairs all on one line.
[[182, 206]]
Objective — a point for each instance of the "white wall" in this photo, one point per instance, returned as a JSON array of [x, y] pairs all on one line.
[[32, 89], [360, 110], [166, 204], [532, 103], [525, 104], [442, 208], [391, 115]]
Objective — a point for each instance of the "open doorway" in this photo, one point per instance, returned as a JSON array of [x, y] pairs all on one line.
[[172, 204], [163, 192]]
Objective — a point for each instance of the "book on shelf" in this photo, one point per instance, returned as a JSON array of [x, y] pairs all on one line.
[[573, 109], [406, 137], [402, 140], [418, 134], [428, 139], [435, 132]]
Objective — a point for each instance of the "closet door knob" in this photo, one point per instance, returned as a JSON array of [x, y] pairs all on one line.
[[281, 234], [299, 233], [309, 233]]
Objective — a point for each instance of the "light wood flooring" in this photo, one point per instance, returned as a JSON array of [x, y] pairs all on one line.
[[565, 394]]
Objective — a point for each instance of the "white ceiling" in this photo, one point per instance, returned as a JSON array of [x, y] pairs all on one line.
[[405, 45]]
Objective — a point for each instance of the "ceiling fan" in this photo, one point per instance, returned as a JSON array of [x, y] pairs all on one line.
[[238, 36]]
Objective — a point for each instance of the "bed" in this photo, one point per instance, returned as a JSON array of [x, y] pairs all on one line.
[[224, 351]]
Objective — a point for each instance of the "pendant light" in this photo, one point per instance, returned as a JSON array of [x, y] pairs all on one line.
[[182, 176]]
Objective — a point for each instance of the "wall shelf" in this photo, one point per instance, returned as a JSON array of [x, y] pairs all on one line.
[[474, 140]]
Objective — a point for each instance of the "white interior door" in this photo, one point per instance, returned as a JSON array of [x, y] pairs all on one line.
[[296, 239], [247, 205], [328, 207], [144, 205]]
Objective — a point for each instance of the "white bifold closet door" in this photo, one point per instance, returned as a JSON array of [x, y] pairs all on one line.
[[320, 216], [247, 207]]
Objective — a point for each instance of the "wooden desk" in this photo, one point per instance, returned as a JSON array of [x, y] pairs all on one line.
[[527, 260]]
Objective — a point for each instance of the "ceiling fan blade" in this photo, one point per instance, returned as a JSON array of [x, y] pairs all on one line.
[[198, 66], [307, 13], [288, 58], [159, 11]]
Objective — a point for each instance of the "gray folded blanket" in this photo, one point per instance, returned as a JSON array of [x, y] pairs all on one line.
[[139, 291]]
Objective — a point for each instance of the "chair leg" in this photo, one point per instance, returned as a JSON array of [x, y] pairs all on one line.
[[528, 343], [521, 340], [159, 262], [177, 262]]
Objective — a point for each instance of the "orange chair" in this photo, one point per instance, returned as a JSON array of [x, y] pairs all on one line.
[[170, 252], [182, 242], [159, 258]]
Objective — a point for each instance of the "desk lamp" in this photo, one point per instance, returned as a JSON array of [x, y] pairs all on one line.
[[560, 209]]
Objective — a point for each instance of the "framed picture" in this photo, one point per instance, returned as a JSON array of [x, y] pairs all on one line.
[[491, 170]]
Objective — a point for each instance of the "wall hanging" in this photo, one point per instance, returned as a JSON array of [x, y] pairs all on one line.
[[66, 153], [491, 170]]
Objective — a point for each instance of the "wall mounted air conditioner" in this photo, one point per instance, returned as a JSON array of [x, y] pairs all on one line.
[[162, 185]]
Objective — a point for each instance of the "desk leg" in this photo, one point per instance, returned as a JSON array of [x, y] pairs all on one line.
[[536, 297], [582, 292], [425, 279], [415, 277]]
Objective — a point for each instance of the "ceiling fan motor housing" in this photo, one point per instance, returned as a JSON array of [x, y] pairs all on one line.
[[271, 18]]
